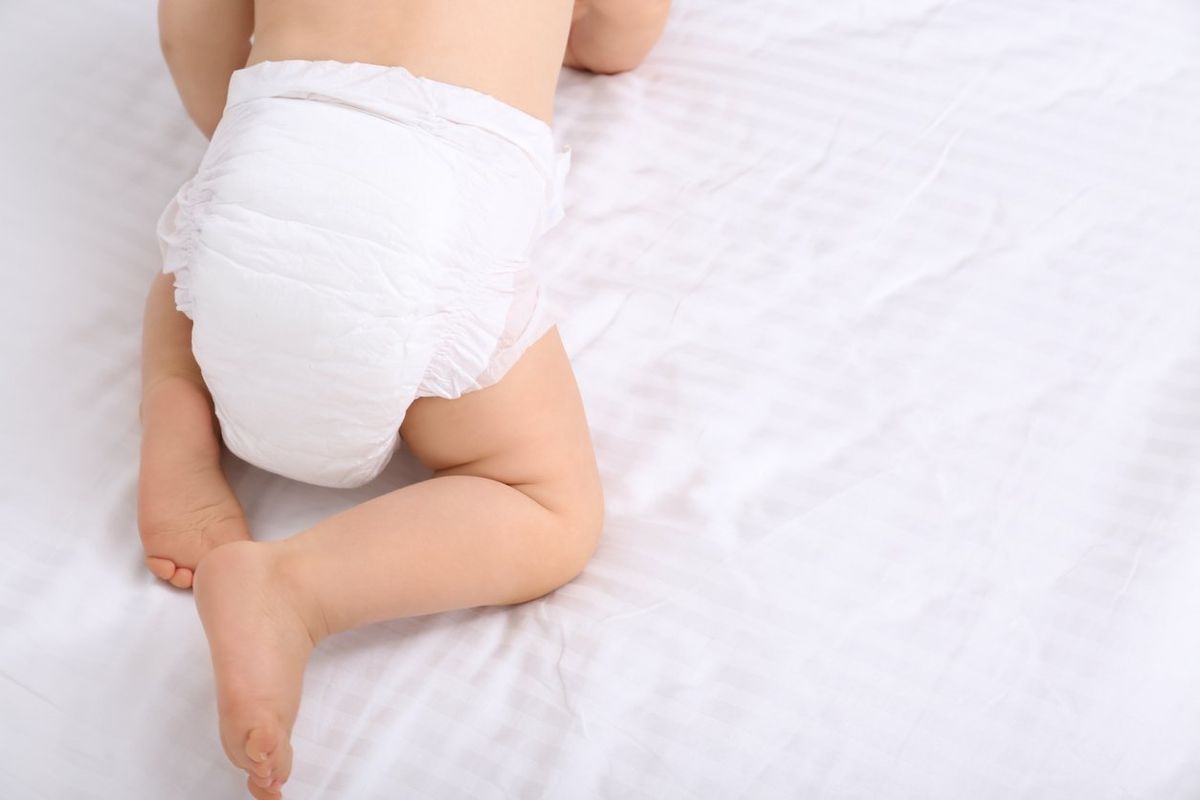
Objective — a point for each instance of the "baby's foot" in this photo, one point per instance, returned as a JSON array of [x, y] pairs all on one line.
[[260, 633], [185, 505]]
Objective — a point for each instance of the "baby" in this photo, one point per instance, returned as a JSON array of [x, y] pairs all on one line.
[[350, 267]]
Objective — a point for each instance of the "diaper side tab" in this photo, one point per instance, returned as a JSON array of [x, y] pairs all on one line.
[[554, 209]]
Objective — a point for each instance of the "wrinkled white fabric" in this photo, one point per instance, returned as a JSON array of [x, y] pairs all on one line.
[[354, 238], [884, 318]]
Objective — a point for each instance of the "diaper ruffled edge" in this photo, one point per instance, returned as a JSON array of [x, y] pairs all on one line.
[[178, 237]]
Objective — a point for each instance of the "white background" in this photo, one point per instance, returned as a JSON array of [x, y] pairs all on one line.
[[886, 318]]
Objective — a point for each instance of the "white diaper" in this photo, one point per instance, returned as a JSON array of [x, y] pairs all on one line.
[[357, 237]]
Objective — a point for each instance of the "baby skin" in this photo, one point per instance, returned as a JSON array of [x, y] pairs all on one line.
[[514, 506]]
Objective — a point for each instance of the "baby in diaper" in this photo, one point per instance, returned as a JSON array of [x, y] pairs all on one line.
[[349, 270]]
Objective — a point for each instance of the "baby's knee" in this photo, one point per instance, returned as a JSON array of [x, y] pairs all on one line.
[[580, 523]]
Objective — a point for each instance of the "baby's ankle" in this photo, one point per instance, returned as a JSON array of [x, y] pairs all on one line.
[[289, 565]]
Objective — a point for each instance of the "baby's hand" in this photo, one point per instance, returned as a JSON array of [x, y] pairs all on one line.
[[610, 36]]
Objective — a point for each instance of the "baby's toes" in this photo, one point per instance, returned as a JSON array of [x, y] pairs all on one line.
[[259, 793], [262, 772], [271, 774], [182, 578], [163, 568], [262, 783], [261, 744], [283, 768]]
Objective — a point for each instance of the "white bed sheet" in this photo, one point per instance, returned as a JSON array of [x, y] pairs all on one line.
[[885, 314]]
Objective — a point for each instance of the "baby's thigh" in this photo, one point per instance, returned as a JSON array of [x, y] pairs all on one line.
[[528, 431]]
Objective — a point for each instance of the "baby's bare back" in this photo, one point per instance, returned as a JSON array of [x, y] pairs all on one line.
[[511, 49]]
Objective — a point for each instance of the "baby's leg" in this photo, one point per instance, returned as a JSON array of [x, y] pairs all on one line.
[[203, 42], [513, 511], [185, 506]]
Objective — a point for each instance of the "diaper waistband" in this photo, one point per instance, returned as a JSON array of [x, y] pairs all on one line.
[[394, 92]]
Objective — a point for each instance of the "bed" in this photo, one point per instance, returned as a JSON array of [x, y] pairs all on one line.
[[886, 320]]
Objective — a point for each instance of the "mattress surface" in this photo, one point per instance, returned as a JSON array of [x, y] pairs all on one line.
[[885, 317]]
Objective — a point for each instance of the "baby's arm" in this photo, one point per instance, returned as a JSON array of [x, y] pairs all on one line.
[[204, 41], [610, 36]]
